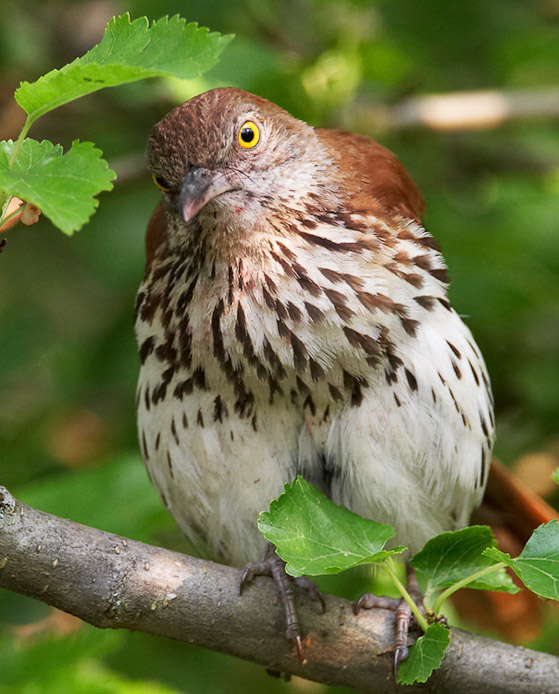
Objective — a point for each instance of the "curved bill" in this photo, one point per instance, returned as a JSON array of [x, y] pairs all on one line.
[[199, 186]]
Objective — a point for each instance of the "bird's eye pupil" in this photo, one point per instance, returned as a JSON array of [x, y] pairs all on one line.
[[247, 135]]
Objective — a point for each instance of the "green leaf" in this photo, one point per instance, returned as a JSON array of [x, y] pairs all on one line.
[[453, 556], [426, 655], [555, 475], [314, 536], [69, 663], [62, 185], [129, 51], [537, 566], [496, 555]]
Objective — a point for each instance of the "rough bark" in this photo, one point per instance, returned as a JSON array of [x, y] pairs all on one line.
[[114, 582]]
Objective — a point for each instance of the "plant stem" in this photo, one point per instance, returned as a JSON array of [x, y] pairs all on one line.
[[389, 567], [20, 138], [3, 219], [5, 202], [4, 197], [464, 582]]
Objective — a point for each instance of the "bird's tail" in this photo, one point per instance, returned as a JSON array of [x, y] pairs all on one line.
[[513, 511]]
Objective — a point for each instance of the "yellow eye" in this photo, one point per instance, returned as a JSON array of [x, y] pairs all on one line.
[[249, 135], [161, 183]]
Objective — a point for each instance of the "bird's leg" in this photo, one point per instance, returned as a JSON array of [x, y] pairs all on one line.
[[271, 565], [405, 621]]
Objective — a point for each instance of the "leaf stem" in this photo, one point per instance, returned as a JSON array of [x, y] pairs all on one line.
[[5, 199], [4, 220], [4, 202], [464, 582], [20, 138], [388, 566]]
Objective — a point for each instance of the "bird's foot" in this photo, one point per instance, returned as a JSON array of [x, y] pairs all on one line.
[[311, 589], [271, 565], [406, 623]]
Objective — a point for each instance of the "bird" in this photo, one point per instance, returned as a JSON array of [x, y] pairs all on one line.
[[293, 319]]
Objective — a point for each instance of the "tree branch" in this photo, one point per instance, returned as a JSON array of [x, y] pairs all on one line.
[[113, 582]]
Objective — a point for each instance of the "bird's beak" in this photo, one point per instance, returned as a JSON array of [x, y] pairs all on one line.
[[199, 186]]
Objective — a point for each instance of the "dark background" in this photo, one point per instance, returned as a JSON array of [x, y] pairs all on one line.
[[68, 362]]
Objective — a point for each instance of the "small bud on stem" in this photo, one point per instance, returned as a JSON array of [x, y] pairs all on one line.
[[20, 211]]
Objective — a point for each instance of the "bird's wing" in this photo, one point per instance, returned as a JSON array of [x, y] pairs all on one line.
[[379, 175], [156, 233]]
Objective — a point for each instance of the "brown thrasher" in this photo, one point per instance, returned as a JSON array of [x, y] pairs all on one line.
[[293, 318]]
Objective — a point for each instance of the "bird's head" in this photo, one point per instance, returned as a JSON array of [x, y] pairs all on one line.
[[230, 154]]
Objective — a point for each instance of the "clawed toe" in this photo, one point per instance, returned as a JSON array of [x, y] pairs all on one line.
[[312, 590], [369, 601], [299, 647], [405, 620], [274, 567], [253, 569], [400, 654]]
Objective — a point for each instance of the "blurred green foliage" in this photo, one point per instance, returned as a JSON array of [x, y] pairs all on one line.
[[67, 353]]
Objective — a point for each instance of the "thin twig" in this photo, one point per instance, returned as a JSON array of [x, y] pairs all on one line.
[[459, 111]]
